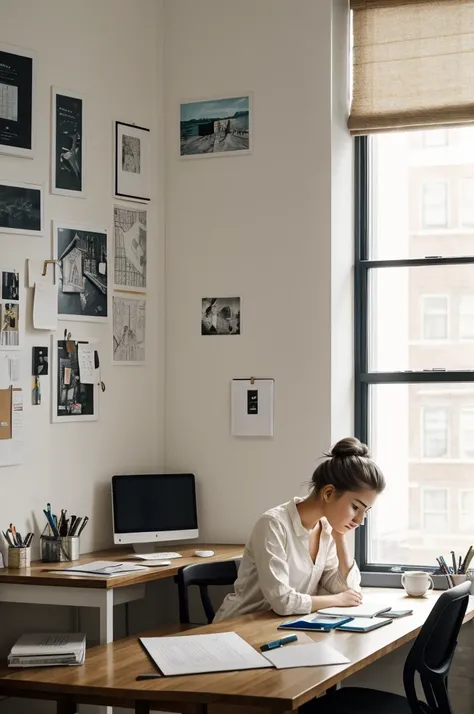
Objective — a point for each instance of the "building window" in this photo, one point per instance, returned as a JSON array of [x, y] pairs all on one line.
[[467, 203], [435, 204], [466, 317], [466, 510], [407, 389], [435, 514], [435, 137], [466, 433], [435, 433], [435, 317]]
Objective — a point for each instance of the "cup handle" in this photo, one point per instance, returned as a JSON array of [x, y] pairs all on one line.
[[431, 586], [403, 580]]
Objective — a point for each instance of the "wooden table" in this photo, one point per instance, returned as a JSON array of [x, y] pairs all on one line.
[[38, 585], [109, 673]]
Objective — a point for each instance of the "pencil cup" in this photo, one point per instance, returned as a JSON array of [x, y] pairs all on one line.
[[70, 549], [458, 579], [19, 557], [50, 549]]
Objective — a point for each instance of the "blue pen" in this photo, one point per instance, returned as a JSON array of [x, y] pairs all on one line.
[[278, 643]]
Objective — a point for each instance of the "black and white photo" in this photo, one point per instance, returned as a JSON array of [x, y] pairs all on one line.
[[9, 324], [82, 272], [220, 316], [216, 127], [40, 361], [67, 143], [129, 330], [17, 89], [132, 162], [72, 400], [130, 248], [10, 285], [21, 208]]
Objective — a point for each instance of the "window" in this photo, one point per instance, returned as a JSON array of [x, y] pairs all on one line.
[[466, 510], [467, 203], [435, 204], [435, 433], [466, 317], [414, 378], [466, 434], [435, 510], [435, 137], [435, 317]]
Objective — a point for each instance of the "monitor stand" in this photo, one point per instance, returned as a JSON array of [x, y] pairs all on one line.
[[144, 548]]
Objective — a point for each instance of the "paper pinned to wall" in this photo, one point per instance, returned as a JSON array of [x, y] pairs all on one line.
[[14, 367], [45, 307], [252, 407], [11, 450], [85, 358]]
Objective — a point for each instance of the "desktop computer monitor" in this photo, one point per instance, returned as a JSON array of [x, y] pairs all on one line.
[[151, 508]]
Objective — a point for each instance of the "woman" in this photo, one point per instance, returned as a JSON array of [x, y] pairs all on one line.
[[299, 549]]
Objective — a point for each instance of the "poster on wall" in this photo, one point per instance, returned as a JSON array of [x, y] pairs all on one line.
[[132, 162], [9, 309], [67, 143], [72, 400], [81, 272], [130, 248], [216, 127], [129, 331], [21, 208], [17, 86], [220, 316]]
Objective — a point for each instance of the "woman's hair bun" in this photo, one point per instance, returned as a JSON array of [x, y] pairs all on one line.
[[350, 446]]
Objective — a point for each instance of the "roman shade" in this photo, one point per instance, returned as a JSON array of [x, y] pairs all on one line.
[[413, 64]]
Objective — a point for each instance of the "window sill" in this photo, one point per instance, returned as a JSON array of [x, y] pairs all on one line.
[[393, 580]]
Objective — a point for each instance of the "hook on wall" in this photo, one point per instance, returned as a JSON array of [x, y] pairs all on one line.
[[46, 263]]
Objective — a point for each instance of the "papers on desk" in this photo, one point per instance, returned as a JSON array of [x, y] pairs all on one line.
[[56, 649], [102, 569], [315, 654], [370, 607], [198, 654]]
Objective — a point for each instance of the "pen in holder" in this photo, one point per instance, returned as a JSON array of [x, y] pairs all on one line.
[[19, 557]]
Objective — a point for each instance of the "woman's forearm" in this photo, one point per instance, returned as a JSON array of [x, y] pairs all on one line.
[[346, 561], [319, 602]]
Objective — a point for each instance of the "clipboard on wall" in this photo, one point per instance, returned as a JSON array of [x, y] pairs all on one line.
[[252, 407]]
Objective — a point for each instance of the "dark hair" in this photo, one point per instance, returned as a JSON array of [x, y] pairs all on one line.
[[348, 467]]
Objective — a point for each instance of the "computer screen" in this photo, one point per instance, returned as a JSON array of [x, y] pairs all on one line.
[[150, 507]]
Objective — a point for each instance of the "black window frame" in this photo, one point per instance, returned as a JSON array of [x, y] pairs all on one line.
[[363, 377]]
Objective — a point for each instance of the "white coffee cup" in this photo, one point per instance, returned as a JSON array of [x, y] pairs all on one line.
[[417, 583]]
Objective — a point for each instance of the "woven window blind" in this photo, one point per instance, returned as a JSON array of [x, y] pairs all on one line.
[[413, 64]]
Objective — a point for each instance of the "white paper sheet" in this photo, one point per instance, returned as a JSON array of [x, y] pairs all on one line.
[[85, 358], [45, 307], [197, 654], [308, 655], [370, 607], [252, 407], [14, 368], [11, 450]]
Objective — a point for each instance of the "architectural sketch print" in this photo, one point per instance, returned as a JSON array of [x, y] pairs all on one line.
[[130, 248], [129, 331], [131, 154]]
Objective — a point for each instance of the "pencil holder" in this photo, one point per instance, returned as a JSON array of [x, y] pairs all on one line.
[[70, 549], [19, 557], [50, 549]]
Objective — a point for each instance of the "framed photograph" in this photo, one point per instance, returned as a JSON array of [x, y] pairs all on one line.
[[40, 361], [129, 330], [132, 162], [21, 208], [72, 400], [130, 246], [81, 272], [17, 98], [220, 316], [67, 143], [9, 309], [216, 127]]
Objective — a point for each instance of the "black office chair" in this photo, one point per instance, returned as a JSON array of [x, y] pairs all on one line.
[[203, 575], [430, 658]]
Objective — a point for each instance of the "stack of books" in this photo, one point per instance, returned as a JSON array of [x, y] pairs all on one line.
[[42, 650]]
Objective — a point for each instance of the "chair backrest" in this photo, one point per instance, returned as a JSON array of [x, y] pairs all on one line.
[[433, 651], [203, 575]]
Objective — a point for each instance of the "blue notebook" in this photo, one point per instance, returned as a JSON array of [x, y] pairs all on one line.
[[364, 624], [315, 622]]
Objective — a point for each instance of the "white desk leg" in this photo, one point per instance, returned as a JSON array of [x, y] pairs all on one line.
[[106, 629]]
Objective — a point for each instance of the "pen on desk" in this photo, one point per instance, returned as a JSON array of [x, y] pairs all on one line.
[[143, 677], [278, 643]]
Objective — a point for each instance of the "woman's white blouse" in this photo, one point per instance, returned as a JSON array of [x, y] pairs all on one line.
[[277, 572]]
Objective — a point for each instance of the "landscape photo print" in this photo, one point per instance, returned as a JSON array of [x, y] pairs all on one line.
[[216, 127]]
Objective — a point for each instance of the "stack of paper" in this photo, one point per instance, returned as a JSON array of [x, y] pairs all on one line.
[[102, 569], [48, 649]]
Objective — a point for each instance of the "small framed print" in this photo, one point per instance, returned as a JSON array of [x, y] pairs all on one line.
[[219, 126], [21, 208], [72, 400], [67, 143], [132, 162], [17, 101]]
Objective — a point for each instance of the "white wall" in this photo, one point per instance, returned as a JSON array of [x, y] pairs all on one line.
[[257, 226], [111, 51]]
